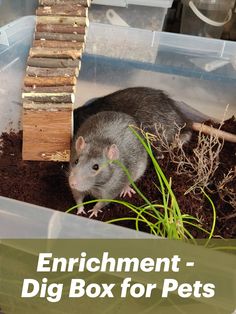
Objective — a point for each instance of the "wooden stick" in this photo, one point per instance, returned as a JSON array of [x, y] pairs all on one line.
[[55, 53], [49, 81], [57, 28], [63, 10], [49, 89], [50, 72], [30, 105], [55, 2], [68, 20], [206, 129], [49, 98], [58, 44], [53, 63], [60, 36]]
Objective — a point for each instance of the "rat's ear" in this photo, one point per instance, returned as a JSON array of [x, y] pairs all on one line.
[[113, 152], [80, 144]]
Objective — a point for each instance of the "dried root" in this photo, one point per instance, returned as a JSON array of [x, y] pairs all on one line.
[[204, 163], [227, 192], [201, 166]]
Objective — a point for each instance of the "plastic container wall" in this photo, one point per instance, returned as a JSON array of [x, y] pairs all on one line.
[[144, 17], [147, 14], [205, 17], [10, 10], [198, 71], [15, 43], [27, 221], [125, 3]]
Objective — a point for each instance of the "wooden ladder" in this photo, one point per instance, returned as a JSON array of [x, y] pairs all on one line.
[[49, 88]]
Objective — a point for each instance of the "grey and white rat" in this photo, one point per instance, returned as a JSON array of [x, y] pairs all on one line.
[[148, 106], [100, 140]]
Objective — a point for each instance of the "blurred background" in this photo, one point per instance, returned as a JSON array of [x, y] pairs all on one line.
[[206, 18]]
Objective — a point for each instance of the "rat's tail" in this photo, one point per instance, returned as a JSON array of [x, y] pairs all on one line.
[[206, 129]]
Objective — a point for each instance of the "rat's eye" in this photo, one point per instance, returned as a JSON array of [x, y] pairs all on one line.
[[76, 161], [95, 167]]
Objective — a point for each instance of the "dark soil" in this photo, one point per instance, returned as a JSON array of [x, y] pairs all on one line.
[[45, 184]]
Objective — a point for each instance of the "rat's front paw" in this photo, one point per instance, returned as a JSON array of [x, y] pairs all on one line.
[[127, 191], [94, 212], [81, 210]]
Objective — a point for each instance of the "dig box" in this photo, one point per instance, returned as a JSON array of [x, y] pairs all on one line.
[[198, 71]]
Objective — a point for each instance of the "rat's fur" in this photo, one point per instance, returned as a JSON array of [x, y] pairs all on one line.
[[149, 107], [100, 132]]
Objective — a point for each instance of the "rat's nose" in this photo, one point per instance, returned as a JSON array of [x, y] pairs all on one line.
[[72, 182]]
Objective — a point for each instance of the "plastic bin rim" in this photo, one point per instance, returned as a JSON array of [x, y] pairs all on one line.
[[124, 3]]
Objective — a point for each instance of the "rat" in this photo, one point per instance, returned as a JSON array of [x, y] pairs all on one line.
[[149, 106], [101, 140]]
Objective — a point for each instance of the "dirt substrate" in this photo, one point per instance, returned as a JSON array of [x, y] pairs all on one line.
[[45, 184]]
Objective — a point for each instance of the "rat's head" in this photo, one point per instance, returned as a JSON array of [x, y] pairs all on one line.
[[91, 166]]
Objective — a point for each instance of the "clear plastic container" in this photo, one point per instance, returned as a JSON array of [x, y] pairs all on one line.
[[144, 17], [198, 71], [206, 17], [145, 14], [15, 42], [125, 3], [10, 10]]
